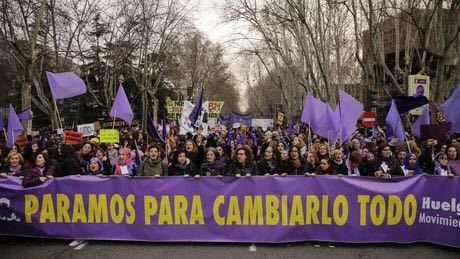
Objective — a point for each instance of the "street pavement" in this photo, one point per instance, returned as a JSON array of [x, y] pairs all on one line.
[[19, 247]]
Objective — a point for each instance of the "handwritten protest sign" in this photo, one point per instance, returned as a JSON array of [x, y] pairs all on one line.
[[174, 109], [109, 136], [72, 137]]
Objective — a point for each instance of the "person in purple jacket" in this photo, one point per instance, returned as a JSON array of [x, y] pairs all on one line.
[[41, 171]]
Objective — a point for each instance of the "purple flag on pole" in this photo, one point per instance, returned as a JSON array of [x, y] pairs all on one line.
[[290, 129], [25, 115], [318, 115], [307, 109], [14, 127], [451, 110], [121, 107], [195, 114], [152, 129], [65, 85], [423, 119], [395, 128], [332, 124], [350, 110], [43, 139]]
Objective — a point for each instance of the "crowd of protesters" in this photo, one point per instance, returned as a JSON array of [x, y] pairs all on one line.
[[241, 152]]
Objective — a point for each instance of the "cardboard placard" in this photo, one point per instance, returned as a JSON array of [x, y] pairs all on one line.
[[109, 136], [72, 137]]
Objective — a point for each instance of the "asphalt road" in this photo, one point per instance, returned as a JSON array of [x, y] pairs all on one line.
[[15, 247]]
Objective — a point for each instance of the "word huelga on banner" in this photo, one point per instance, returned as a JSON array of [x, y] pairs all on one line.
[[72, 137], [258, 209], [109, 136]]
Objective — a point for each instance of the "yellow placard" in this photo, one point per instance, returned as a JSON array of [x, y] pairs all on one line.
[[109, 136], [280, 118]]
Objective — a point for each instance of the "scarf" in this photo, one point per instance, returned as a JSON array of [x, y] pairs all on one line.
[[296, 163], [15, 170], [353, 172], [127, 162]]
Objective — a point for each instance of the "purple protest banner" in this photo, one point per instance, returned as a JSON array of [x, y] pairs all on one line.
[[258, 209]]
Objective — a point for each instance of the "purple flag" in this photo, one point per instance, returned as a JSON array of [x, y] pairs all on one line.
[[423, 119], [332, 124], [14, 127], [152, 129], [25, 115], [407, 103], [350, 110], [318, 115], [65, 85], [451, 110], [121, 107], [307, 112], [195, 114], [395, 128], [43, 139]]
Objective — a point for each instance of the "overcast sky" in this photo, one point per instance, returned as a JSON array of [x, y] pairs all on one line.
[[208, 18]]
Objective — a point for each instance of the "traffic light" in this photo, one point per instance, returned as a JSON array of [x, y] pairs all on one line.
[[372, 97]]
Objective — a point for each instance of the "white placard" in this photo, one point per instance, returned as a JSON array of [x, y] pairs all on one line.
[[264, 123], [86, 129]]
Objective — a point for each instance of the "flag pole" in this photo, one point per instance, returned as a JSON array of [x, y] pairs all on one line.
[[114, 117], [57, 112], [4, 133]]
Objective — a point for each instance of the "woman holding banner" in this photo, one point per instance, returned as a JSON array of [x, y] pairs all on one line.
[[243, 165], [442, 166], [154, 165], [41, 171], [385, 165], [124, 165], [182, 165], [212, 166], [269, 164], [14, 166], [296, 164]]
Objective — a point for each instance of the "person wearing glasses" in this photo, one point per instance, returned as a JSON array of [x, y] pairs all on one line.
[[243, 164]]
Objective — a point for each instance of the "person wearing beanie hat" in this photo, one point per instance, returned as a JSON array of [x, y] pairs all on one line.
[[94, 167]]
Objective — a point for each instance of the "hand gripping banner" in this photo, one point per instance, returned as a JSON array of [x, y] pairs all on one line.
[[258, 209]]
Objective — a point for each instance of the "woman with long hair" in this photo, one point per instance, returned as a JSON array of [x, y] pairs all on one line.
[[269, 164], [296, 164], [182, 166], [212, 166], [41, 171], [243, 164]]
